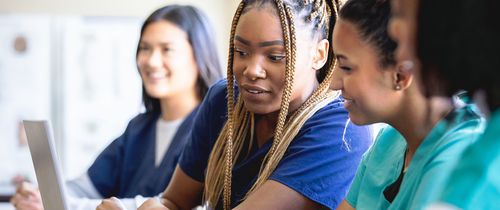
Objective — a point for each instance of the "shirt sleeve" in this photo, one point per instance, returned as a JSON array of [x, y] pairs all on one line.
[[321, 161], [82, 187], [207, 124], [82, 195], [76, 203]]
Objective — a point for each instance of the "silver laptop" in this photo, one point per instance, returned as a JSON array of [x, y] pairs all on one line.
[[46, 163]]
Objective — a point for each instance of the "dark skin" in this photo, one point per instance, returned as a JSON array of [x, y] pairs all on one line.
[[255, 75], [363, 82]]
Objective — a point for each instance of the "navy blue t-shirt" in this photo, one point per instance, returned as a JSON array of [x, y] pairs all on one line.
[[319, 163]]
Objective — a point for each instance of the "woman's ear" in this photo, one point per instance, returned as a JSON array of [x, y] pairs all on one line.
[[321, 54], [403, 75]]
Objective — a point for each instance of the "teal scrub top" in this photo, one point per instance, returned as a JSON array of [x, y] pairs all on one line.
[[432, 162], [475, 183]]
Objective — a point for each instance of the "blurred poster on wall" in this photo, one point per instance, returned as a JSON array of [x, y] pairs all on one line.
[[25, 59], [79, 73], [102, 86]]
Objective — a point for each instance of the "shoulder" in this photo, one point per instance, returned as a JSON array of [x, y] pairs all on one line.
[[462, 128], [214, 106], [217, 90], [389, 136], [467, 117], [331, 125], [463, 124], [142, 121], [388, 145], [144, 118]]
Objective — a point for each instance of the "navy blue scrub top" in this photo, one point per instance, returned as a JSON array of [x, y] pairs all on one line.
[[126, 168], [318, 164]]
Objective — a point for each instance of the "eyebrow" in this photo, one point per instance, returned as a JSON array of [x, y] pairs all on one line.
[[261, 44]]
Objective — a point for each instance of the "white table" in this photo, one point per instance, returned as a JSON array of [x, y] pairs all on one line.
[[6, 206]]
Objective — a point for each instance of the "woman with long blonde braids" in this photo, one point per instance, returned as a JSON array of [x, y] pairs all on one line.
[[271, 136]]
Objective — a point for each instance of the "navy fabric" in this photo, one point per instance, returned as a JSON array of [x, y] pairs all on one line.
[[319, 164], [126, 167]]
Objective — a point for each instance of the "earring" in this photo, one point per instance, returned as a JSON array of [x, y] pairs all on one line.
[[397, 87]]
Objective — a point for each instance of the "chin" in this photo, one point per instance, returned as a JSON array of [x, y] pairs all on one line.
[[260, 109], [358, 120], [158, 93]]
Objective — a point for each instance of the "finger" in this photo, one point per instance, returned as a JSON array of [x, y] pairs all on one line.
[[26, 205], [108, 204], [16, 199], [27, 189], [118, 202], [151, 204]]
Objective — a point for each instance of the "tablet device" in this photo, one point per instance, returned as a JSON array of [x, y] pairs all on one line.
[[46, 163]]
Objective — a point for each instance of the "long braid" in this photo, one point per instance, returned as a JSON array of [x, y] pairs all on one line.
[[230, 119], [214, 185], [287, 23], [230, 143], [320, 97]]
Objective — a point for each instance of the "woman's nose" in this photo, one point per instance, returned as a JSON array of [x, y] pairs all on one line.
[[255, 70], [155, 59]]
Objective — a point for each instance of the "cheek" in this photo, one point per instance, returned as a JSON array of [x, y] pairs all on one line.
[[185, 77], [141, 63], [238, 67], [352, 84]]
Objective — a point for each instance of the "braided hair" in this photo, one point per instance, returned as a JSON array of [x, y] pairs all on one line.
[[321, 15]]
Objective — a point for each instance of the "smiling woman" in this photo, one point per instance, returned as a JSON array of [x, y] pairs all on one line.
[[412, 158], [177, 62], [271, 135], [166, 63]]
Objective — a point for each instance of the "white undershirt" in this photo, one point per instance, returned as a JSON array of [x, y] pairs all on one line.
[[165, 131]]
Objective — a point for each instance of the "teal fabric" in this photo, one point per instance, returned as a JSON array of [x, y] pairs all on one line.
[[475, 183], [430, 167]]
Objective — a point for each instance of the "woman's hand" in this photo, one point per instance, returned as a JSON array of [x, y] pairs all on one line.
[[112, 203], [27, 197], [152, 204]]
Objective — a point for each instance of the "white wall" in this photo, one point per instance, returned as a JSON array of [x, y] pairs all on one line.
[[220, 12], [67, 23]]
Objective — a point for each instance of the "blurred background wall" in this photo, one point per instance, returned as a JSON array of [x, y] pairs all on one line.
[[73, 63]]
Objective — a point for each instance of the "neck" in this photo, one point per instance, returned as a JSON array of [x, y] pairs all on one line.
[[266, 124], [306, 92], [417, 118], [179, 106]]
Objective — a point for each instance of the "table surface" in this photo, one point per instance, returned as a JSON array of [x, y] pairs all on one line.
[[6, 206]]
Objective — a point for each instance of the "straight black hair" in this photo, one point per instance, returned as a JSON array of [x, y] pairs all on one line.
[[202, 39]]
